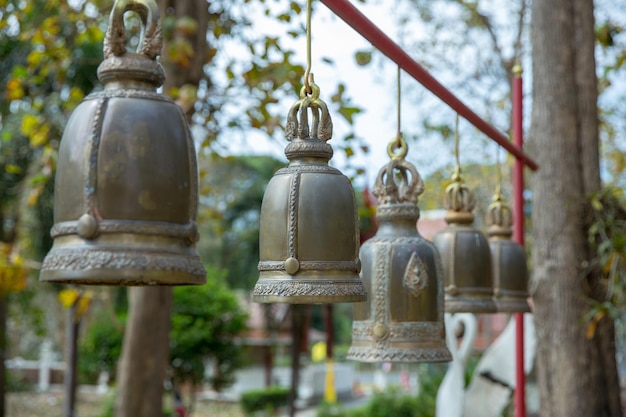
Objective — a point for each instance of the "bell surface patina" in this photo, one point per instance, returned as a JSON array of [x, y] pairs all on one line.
[[126, 187], [465, 253], [403, 321], [508, 259], [309, 227]]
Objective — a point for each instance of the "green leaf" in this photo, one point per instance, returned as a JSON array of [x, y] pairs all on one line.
[[363, 57], [12, 169], [596, 203], [349, 112]]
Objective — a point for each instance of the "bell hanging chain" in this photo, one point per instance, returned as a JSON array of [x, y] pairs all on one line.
[[458, 197], [398, 142]]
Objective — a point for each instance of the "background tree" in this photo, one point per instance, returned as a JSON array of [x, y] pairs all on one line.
[[564, 134], [231, 190], [565, 141]]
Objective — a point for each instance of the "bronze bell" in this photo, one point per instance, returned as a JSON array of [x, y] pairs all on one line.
[[508, 259], [403, 321], [465, 255], [126, 186], [309, 227]]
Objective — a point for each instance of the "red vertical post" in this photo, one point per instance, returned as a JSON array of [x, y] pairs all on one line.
[[518, 236]]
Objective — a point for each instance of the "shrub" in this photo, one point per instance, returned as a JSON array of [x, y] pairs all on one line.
[[205, 321], [101, 347], [393, 403], [264, 400], [337, 410]]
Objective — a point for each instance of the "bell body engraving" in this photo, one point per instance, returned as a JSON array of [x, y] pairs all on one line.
[[126, 187], [403, 320]]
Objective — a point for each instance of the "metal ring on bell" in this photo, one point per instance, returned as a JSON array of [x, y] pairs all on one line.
[[309, 227], [403, 321], [126, 186]]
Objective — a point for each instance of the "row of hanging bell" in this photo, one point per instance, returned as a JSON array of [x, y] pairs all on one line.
[[403, 321], [481, 275], [126, 199], [126, 186]]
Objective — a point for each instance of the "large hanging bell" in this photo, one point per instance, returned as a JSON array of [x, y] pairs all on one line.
[[309, 227], [126, 192], [510, 273], [403, 321], [465, 255]]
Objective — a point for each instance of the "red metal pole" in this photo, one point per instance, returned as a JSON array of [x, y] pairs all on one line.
[[353, 17], [518, 236]]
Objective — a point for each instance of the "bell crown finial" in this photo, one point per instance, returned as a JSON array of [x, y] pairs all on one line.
[[499, 217], [398, 185], [140, 66], [459, 200], [309, 141], [408, 188]]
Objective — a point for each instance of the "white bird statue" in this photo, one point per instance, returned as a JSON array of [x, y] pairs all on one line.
[[451, 393], [493, 381]]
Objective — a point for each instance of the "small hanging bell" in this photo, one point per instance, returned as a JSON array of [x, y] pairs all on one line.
[[465, 255], [126, 191], [403, 321], [510, 273], [309, 227]]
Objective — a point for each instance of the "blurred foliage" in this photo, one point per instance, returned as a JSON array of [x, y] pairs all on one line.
[[607, 236], [16, 381], [342, 314], [231, 192], [99, 349], [205, 321]]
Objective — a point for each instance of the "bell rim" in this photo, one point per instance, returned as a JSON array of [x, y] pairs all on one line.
[[327, 290], [465, 304], [512, 305], [398, 355], [127, 278], [106, 265], [308, 299]]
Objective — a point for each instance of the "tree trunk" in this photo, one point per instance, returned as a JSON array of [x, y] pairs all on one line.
[[577, 376], [72, 329], [298, 329], [145, 353], [181, 72]]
